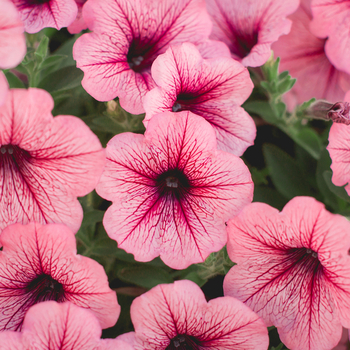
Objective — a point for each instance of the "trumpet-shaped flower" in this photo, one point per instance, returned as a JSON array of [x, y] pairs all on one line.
[[39, 263], [303, 55], [172, 191], [53, 326], [212, 88], [293, 270], [250, 27], [127, 37], [39, 14], [331, 19], [177, 316], [12, 41], [45, 162]]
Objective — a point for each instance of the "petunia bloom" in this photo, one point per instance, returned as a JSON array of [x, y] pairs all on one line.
[[172, 191], [212, 88], [127, 37], [177, 316], [250, 27], [293, 270], [79, 24], [53, 326], [45, 162], [39, 14], [339, 151], [3, 88], [39, 263], [12, 41], [303, 55], [331, 19]]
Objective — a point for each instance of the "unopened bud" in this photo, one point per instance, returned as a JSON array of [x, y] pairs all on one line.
[[337, 112]]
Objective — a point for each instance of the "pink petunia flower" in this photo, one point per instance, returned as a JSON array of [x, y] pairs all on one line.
[[250, 27], [53, 326], [303, 55], [39, 14], [127, 37], [79, 24], [39, 263], [3, 88], [172, 191], [339, 151], [293, 270], [12, 41], [331, 19], [213, 88], [177, 316], [45, 162]]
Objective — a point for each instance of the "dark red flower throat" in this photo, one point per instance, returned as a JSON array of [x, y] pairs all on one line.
[[183, 342], [173, 181]]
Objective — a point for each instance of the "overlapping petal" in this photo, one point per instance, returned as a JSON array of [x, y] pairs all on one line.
[[293, 270], [178, 316], [39, 14], [39, 263], [127, 36], [45, 162], [12, 41], [3, 88], [331, 19], [303, 55], [53, 326], [213, 88], [250, 27], [171, 190], [79, 24], [339, 151]]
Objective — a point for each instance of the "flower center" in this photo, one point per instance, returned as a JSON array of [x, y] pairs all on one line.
[[138, 56], [13, 153], [173, 181], [37, 2], [184, 102], [43, 288], [243, 43], [183, 342]]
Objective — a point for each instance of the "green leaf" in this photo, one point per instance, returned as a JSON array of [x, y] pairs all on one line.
[[285, 85], [288, 178], [280, 109], [339, 191], [43, 46], [145, 276], [309, 140], [194, 277], [269, 196], [323, 165], [63, 79], [51, 61], [109, 125], [263, 109], [14, 81]]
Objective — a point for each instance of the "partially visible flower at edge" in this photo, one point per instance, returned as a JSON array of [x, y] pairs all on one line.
[[53, 326], [293, 270], [39, 14], [303, 55], [12, 40], [40, 263], [177, 316], [250, 27], [46, 162], [4, 87], [79, 23]]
